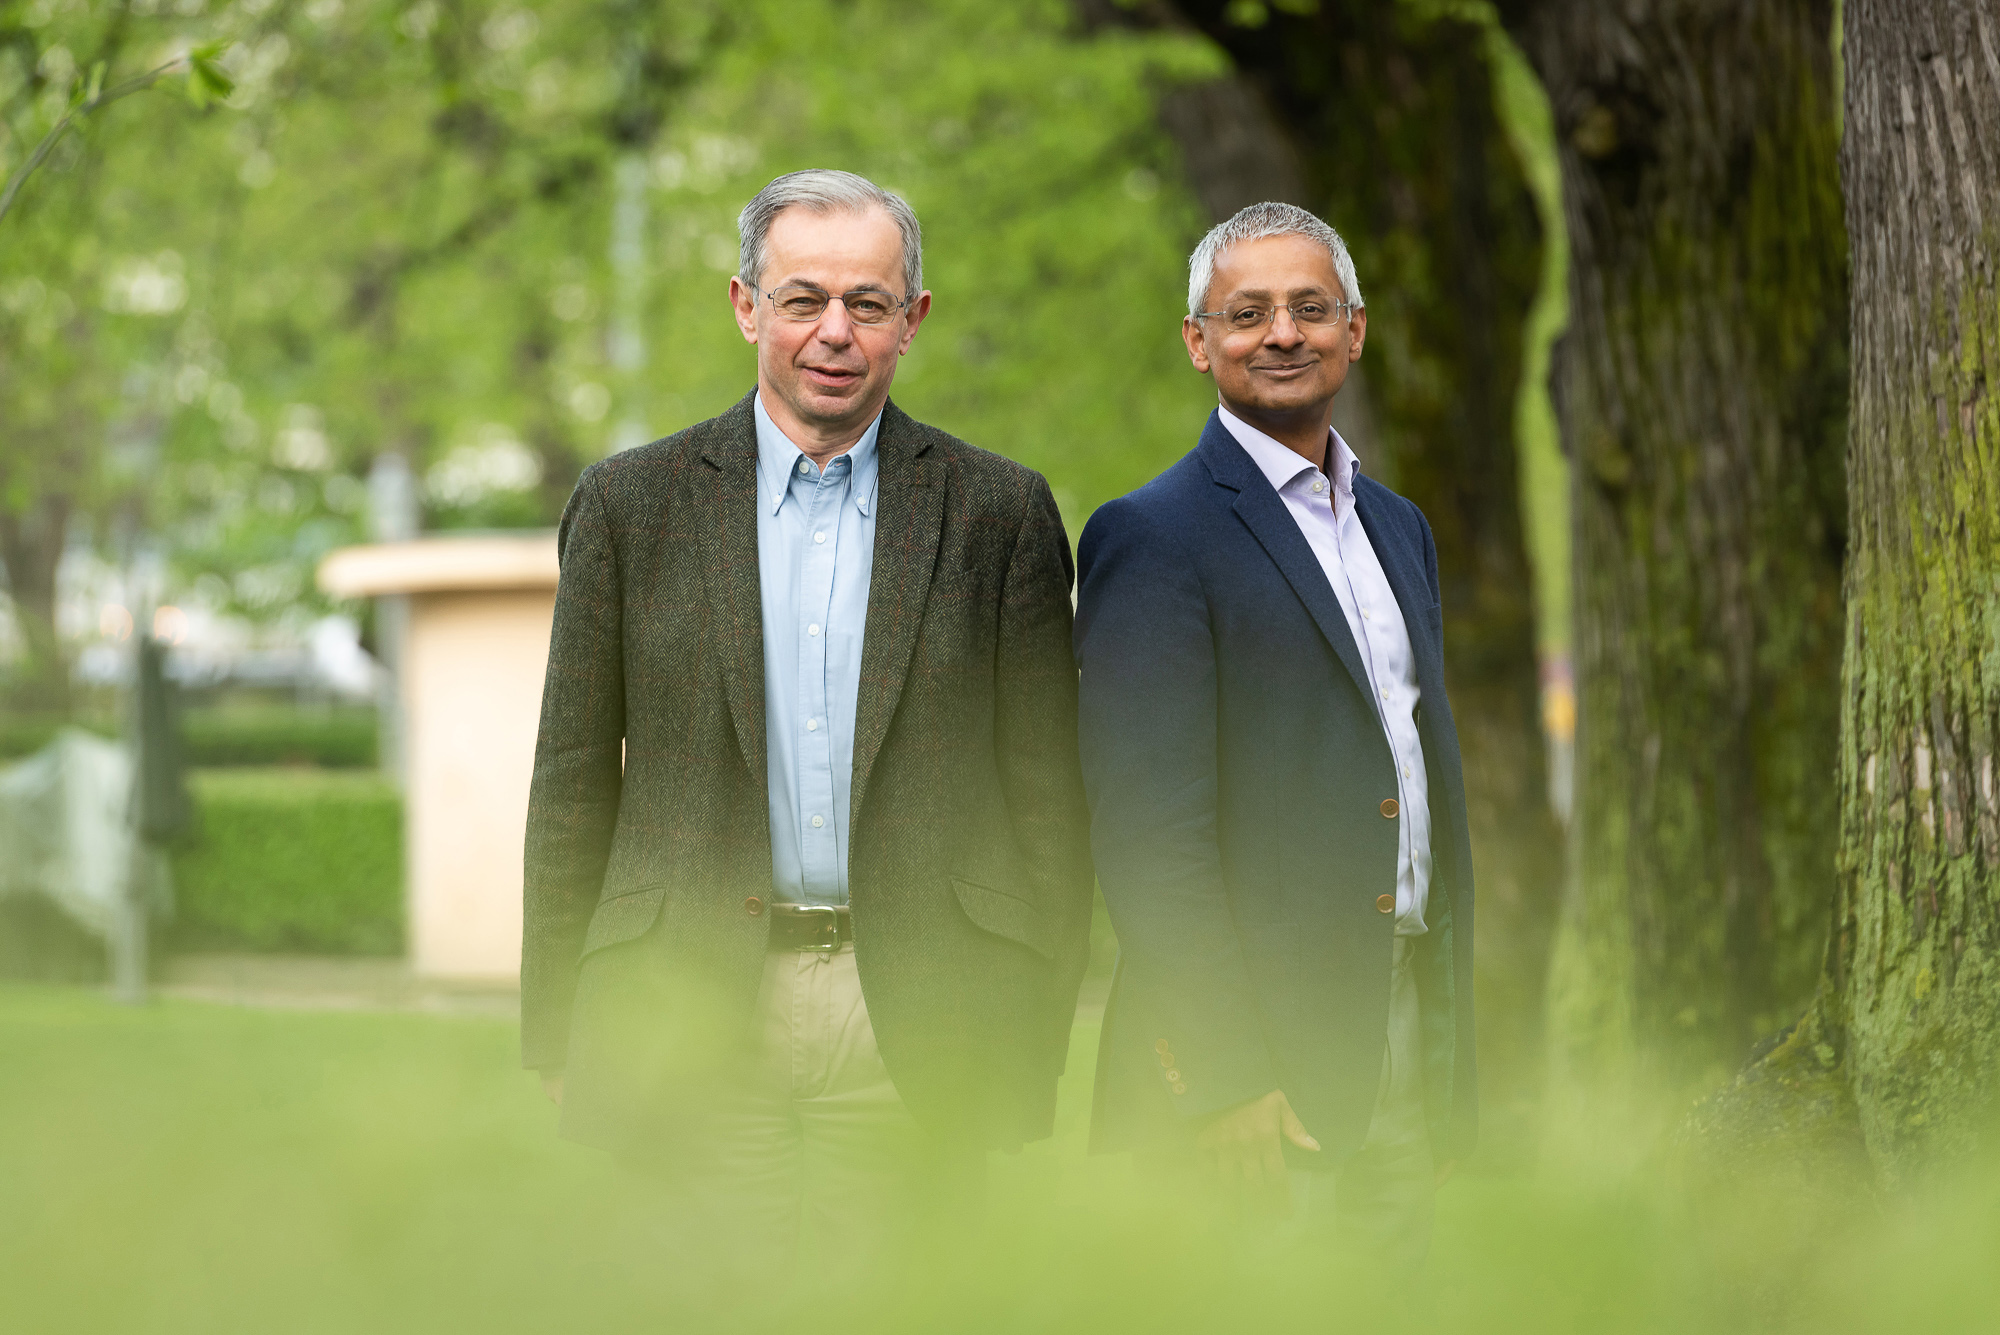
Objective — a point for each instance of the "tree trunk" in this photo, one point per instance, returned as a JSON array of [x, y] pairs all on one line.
[[31, 548], [1913, 975], [1702, 391], [1383, 122]]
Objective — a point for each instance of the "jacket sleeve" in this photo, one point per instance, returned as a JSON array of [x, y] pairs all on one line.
[[1035, 741], [1148, 727], [579, 763]]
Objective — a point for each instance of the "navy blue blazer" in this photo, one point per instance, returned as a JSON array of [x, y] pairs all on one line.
[[1236, 770]]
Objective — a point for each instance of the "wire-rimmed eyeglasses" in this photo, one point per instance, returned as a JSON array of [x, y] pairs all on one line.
[[865, 305], [1307, 312]]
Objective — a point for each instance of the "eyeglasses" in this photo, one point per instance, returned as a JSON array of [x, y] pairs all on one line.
[[864, 305], [1246, 316]]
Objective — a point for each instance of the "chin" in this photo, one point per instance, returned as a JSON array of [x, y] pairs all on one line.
[[831, 407], [1293, 398]]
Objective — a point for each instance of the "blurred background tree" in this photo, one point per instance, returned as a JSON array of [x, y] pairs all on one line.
[[491, 240], [1703, 395]]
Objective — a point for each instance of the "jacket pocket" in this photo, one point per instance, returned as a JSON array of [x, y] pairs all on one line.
[[624, 917], [1004, 915]]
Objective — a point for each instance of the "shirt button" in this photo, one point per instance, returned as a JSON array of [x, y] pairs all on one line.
[[818, 821], [1406, 768], [813, 629], [819, 537], [812, 725], [1364, 614], [1385, 692], [1319, 487], [804, 468]]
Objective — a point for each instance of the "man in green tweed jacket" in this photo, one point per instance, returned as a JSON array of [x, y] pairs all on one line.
[[808, 882]]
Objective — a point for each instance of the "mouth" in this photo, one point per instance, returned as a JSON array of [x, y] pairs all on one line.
[[832, 377], [1285, 371]]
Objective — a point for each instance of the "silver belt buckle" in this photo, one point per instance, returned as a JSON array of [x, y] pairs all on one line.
[[829, 926]]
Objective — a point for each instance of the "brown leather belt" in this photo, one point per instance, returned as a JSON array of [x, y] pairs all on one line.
[[825, 927]]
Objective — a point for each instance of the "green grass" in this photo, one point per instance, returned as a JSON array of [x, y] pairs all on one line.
[[187, 1167], [292, 860]]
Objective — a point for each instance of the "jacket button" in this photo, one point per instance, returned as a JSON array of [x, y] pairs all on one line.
[[1162, 1046], [753, 906], [1385, 903], [1389, 807]]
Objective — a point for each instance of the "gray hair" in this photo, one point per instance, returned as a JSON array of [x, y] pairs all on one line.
[[1254, 224], [823, 190]]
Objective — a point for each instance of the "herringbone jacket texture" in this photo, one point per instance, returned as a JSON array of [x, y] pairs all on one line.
[[648, 844]]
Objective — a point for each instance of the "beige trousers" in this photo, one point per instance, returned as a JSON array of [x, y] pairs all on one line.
[[815, 1155]]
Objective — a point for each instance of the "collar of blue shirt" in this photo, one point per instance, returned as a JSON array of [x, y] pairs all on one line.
[[778, 459], [1281, 463]]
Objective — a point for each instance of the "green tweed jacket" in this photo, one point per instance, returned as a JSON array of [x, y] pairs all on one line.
[[648, 844]]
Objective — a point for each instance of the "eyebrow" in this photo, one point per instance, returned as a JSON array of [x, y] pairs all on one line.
[[817, 287], [1264, 294]]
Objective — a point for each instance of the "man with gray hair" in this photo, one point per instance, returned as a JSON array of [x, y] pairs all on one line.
[[1277, 810], [808, 880]]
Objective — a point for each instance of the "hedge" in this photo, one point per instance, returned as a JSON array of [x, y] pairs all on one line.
[[342, 738], [291, 860]]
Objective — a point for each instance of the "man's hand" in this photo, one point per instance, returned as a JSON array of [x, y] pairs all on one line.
[[552, 1086], [1245, 1146]]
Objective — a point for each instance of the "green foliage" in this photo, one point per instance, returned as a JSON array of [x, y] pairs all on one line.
[[256, 1170], [401, 238], [292, 860], [232, 735], [274, 735]]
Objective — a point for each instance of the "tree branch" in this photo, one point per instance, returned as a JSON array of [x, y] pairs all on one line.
[[102, 98]]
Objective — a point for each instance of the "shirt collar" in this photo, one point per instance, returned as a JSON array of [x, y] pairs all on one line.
[[1280, 463], [778, 461]]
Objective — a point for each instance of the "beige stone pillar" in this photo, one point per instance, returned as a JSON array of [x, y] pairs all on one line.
[[476, 647]]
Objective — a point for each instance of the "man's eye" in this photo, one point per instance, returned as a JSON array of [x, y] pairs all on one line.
[[1309, 310], [868, 307], [800, 305], [1247, 315]]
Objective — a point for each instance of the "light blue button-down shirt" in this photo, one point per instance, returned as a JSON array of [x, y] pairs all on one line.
[[815, 554], [1323, 508]]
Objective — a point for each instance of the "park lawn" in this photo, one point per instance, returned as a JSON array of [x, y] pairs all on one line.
[[193, 1167]]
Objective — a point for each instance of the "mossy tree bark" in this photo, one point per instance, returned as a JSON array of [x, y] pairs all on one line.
[[1913, 976], [1702, 392], [1381, 119]]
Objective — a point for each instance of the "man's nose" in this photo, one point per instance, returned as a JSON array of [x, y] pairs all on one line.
[[1284, 331], [834, 326]]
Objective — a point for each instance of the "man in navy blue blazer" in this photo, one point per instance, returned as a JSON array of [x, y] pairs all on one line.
[[1277, 807]]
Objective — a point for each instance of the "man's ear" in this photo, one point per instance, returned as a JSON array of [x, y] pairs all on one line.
[[1197, 347], [1359, 326], [743, 298], [918, 309]]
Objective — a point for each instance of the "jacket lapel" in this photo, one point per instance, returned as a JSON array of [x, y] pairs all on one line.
[[730, 558], [1264, 514], [909, 521]]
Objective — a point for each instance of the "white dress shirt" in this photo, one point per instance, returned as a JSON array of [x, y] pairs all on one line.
[[1323, 508]]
